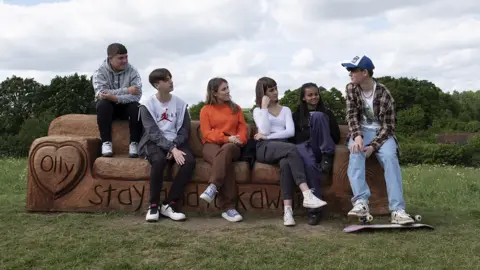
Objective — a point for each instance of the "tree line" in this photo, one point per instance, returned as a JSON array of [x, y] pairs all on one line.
[[423, 109]]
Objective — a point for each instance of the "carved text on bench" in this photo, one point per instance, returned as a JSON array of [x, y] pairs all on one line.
[[250, 196]]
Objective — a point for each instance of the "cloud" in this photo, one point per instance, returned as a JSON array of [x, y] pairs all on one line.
[[292, 41]]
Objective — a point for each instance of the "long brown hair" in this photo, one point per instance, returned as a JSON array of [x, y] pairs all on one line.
[[212, 88], [262, 85]]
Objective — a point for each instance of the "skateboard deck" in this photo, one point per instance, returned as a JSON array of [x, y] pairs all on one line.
[[373, 227]]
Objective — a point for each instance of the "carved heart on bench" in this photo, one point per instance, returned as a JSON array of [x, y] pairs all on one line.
[[58, 167]]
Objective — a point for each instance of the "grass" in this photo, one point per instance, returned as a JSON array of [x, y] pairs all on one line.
[[447, 198]]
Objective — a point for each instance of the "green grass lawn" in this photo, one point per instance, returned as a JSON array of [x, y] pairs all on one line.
[[447, 198]]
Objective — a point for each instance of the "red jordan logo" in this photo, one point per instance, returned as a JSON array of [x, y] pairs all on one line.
[[164, 116]]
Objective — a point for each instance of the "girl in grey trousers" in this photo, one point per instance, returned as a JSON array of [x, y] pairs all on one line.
[[275, 125]]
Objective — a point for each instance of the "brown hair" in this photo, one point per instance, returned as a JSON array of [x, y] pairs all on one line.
[[116, 48], [212, 88], [159, 74], [262, 85]]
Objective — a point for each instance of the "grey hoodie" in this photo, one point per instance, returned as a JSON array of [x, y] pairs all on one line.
[[117, 83]]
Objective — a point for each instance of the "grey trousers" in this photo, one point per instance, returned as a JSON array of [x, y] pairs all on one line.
[[291, 164]]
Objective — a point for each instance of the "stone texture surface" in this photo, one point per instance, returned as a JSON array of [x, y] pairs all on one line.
[[66, 173]]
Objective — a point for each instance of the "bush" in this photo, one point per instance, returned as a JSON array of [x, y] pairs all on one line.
[[10, 146], [467, 154], [19, 145], [411, 120]]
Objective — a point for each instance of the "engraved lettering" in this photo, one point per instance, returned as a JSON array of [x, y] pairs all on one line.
[[111, 195], [98, 195], [119, 196], [252, 199], [42, 163], [141, 196], [273, 202], [240, 201]]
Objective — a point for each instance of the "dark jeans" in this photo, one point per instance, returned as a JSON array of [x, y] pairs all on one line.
[[320, 139], [291, 165], [157, 158], [311, 151], [108, 111]]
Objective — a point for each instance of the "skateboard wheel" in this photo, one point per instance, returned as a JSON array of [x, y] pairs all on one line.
[[369, 218], [418, 218]]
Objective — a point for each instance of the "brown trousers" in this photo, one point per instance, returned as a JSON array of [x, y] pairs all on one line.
[[222, 175]]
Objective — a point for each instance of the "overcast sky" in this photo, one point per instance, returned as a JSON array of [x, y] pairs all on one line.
[[293, 41]]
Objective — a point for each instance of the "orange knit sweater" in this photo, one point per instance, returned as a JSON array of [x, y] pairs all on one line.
[[217, 123]]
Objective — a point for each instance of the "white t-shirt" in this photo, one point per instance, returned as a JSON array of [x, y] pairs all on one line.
[[368, 117], [166, 115], [274, 127]]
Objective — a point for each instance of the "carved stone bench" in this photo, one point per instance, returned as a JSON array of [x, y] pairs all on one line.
[[67, 173]]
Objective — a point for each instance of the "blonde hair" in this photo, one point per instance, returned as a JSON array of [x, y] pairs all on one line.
[[212, 88]]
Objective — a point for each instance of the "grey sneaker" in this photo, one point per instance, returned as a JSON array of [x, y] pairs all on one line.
[[401, 217], [209, 194], [133, 150], [107, 149], [232, 215], [360, 208]]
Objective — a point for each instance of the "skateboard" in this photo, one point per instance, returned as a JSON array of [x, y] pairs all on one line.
[[372, 227], [367, 218]]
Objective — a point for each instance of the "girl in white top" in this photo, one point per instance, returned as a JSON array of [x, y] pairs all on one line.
[[275, 125]]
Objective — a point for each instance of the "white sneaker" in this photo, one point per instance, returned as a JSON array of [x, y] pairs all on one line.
[[360, 208], [401, 217], [288, 216], [169, 211], [133, 150], [311, 201], [107, 149], [232, 215], [152, 213]]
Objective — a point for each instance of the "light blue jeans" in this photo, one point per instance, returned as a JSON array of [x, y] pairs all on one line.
[[388, 159]]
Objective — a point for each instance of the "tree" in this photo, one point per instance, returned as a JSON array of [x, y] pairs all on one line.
[[19, 100], [335, 101], [469, 105], [411, 120], [408, 92], [290, 99], [195, 110], [332, 98], [67, 95]]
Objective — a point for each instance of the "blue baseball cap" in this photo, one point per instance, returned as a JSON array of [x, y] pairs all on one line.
[[359, 62]]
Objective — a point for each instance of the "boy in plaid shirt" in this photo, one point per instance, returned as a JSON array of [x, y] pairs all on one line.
[[371, 122]]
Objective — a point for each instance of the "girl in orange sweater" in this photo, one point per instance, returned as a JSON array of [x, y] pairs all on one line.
[[224, 131]]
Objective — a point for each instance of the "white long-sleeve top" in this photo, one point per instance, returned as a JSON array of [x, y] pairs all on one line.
[[274, 127]]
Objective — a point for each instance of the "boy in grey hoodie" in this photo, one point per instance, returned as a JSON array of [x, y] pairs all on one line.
[[118, 89]]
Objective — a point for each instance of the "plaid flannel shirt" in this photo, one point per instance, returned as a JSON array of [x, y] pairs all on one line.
[[383, 109]]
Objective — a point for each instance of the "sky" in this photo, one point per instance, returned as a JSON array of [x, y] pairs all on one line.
[[292, 41]]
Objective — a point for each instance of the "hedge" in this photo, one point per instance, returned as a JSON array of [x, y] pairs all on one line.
[[467, 154]]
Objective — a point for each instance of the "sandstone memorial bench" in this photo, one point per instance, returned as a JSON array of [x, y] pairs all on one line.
[[67, 173]]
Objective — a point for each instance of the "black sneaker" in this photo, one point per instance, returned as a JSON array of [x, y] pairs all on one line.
[[314, 218], [327, 162], [152, 213]]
